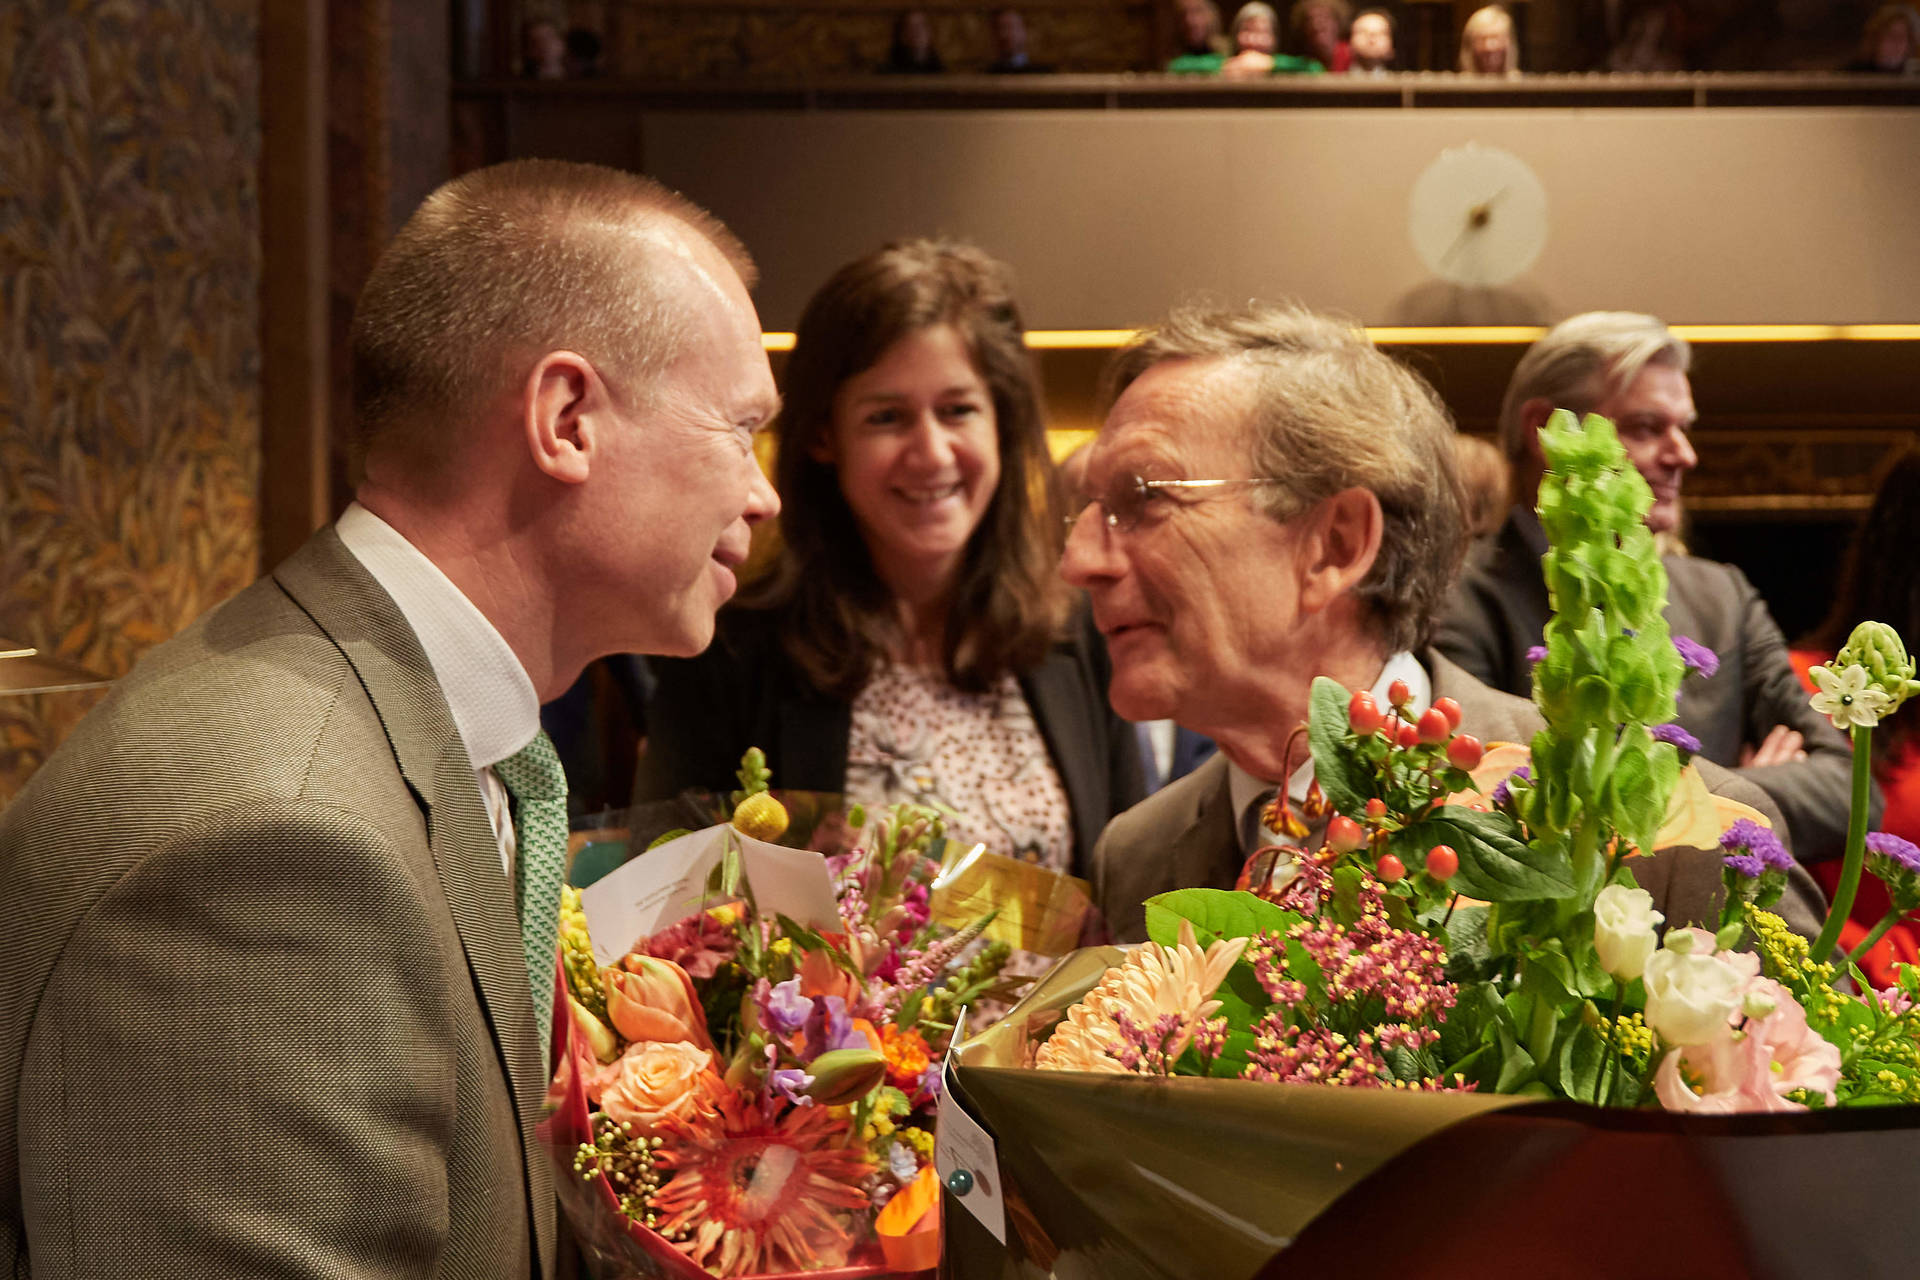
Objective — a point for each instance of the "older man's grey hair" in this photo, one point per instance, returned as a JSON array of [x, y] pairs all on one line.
[[1330, 411], [1579, 363]]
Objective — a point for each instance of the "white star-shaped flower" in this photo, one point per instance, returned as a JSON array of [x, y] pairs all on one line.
[[1847, 699]]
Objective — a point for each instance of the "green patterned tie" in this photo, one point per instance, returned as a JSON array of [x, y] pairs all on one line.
[[539, 786]]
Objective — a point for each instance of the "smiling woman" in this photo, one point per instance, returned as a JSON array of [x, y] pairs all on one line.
[[914, 640]]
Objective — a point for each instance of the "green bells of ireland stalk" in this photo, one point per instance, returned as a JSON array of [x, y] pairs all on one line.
[[1610, 668], [1866, 682]]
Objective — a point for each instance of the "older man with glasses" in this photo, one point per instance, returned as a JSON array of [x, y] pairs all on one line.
[[1273, 499]]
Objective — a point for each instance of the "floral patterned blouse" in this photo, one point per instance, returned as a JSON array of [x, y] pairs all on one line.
[[917, 738]]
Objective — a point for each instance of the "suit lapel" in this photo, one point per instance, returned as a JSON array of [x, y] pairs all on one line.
[[325, 579], [1204, 849]]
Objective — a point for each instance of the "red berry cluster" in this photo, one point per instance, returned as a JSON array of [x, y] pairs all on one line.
[[1437, 726]]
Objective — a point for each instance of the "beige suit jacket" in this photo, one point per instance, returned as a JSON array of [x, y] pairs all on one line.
[[1185, 835], [263, 1010]]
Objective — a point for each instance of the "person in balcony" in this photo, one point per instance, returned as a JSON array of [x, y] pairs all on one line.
[[1202, 46], [912, 641], [912, 51], [1890, 42], [1316, 29], [1487, 44], [1256, 43], [1370, 47]]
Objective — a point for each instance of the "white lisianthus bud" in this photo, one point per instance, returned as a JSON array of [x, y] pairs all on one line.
[[1625, 930], [1691, 996], [1758, 1004]]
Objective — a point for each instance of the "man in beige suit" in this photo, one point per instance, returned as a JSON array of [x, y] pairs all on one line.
[[1274, 500], [264, 1008]]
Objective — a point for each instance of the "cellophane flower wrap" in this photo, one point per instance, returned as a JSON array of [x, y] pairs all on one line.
[[1470, 921], [754, 1097]]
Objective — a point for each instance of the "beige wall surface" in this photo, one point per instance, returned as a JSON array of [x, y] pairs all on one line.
[[1760, 215]]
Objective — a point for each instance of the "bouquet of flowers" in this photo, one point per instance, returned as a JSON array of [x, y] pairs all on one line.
[[1472, 922], [755, 1095]]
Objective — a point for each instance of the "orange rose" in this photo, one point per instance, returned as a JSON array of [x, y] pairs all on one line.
[[653, 1000], [654, 1082]]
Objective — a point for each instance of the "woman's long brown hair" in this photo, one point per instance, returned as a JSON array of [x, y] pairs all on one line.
[[839, 620]]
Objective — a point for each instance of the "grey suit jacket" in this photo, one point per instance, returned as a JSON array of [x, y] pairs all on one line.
[[1499, 610], [264, 1009], [1185, 835]]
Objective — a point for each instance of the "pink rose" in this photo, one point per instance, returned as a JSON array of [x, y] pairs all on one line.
[[653, 1000], [653, 1083]]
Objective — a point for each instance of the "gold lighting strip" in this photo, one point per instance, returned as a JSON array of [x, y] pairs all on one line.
[[1468, 335]]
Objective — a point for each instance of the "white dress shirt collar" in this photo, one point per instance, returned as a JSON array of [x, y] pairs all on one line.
[[493, 701]]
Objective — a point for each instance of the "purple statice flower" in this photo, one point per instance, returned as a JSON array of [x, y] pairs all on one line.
[[1697, 656], [1537, 654], [786, 1009], [1748, 836], [1900, 853], [1502, 793], [1688, 744], [1746, 864]]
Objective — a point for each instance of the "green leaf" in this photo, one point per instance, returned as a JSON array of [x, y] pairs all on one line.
[[1345, 901], [1516, 1064], [1495, 865], [1215, 913], [1233, 1056], [1342, 778], [1579, 1061]]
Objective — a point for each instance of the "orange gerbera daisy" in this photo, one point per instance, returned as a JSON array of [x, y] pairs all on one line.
[[747, 1195]]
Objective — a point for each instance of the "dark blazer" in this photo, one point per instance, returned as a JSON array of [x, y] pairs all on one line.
[[1499, 610], [264, 1009], [744, 692], [1186, 834]]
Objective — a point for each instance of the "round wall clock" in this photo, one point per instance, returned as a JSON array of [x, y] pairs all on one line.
[[1478, 215]]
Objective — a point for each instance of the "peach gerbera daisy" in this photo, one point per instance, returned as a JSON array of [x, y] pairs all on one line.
[[747, 1195], [1149, 984]]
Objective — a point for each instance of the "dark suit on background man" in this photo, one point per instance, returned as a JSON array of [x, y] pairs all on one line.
[[285, 904], [276, 807], [1499, 610]]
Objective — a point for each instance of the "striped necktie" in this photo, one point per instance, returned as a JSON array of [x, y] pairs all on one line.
[[539, 787]]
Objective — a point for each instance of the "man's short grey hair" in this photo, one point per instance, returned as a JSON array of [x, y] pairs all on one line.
[[1579, 363], [1330, 411]]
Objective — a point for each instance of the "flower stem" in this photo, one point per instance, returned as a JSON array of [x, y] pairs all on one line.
[[1604, 1092], [1856, 846], [1878, 932]]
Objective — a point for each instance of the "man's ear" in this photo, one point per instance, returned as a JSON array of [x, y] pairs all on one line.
[[1533, 416], [1343, 540], [563, 407]]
